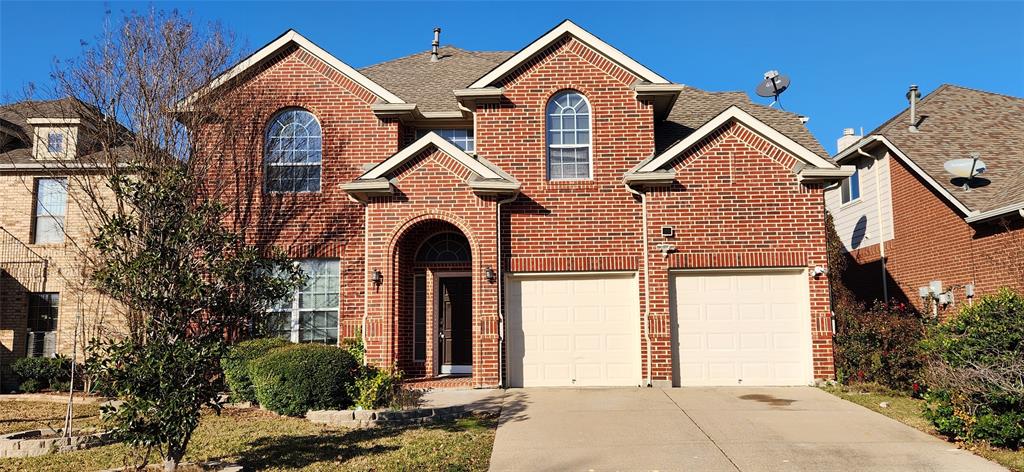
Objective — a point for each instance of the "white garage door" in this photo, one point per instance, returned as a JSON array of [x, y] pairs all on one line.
[[573, 330], [742, 328]]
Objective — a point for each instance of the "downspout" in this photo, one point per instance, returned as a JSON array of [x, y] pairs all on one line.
[[501, 300], [881, 227], [647, 283], [366, 288]]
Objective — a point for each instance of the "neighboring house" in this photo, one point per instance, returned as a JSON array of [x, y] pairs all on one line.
[[45, 155], [906, 221], [557, 216]]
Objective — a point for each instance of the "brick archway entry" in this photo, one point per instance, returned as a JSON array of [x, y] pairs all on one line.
[[433, 270]]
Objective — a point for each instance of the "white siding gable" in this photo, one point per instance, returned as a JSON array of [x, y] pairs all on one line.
[[866, 221]]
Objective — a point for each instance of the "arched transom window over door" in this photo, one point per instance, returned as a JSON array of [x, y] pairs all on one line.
[[293, 153], [444, 247], [568, 117]]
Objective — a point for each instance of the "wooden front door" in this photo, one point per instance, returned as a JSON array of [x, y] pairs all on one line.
[[456, 321]]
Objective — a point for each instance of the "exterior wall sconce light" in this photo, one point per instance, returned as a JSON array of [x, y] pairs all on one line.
[[490, 274], [376, 277], [819, 271]]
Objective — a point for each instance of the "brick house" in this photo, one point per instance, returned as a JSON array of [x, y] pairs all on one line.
[[908, 222], [46, 156], [559, 215]]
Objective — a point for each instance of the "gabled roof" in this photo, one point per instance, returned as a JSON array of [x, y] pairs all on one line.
[[485, 177], [428, 84], [953, 122], [293, 37], [736, 114], [567, 28]]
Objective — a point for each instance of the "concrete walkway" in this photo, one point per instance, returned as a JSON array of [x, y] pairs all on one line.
[[710, 429]]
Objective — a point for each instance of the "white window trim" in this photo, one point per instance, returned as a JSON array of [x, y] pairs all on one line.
[[590, 140], [61, 219], [849, 183], [266, 140], [295, 319]]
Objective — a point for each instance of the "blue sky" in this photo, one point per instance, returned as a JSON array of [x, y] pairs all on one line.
[[850, 63]]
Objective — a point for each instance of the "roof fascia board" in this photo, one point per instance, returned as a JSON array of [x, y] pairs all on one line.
[[817, 174], [54, 121], [1011, 208], [413, 149], [852, 150], [281, 41], [649, 178], [563, 28], [758, 126]]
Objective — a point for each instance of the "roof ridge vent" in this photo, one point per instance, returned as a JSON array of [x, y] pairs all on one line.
[[435, 44]]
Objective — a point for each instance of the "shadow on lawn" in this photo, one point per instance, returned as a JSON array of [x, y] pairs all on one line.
[[339, 446]]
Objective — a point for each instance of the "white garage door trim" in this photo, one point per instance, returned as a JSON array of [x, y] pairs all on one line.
[[622, 330], [728, 331]]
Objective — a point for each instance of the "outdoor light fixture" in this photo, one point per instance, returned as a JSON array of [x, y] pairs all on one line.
[[819, 270], [376, 277], [489, 273]]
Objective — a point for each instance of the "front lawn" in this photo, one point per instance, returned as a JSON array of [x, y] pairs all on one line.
[[260, 440], [907, 410]]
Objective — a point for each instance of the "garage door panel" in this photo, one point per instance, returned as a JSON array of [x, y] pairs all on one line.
[[742, 328], [589, 331]]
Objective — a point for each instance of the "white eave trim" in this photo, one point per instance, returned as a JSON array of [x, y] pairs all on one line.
[[283, 40], [413, 149], [1015, 207], [54, 121], [758, 126], [852, 150], [568, 27], [817, 174]]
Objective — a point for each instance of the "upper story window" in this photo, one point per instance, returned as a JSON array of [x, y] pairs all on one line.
[[293, 155], [851, 187], [55, 142], [463, 138], [51, 206], [568, 132]]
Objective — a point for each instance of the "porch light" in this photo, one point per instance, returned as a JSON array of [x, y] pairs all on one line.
[[376, 277], [490, 275]]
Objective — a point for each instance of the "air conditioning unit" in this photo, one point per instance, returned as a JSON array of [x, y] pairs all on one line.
[[42, 344]]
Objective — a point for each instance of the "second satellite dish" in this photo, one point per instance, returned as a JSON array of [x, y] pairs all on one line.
[[966, 168], [773, 85]]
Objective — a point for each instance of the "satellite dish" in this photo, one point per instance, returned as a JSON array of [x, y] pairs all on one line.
[[966, 168], [773, 85]]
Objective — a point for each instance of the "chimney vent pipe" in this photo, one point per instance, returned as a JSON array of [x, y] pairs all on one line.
[[434, 45], [913, 94]]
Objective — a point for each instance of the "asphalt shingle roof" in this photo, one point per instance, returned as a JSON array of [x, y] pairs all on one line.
[[955, 121]]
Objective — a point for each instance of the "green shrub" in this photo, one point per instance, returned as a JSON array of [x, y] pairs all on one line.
[[355, 347], [303, 377], [974, 365], [377, 388], [44, 371], [236, 365], [879, 345], [31, 386]]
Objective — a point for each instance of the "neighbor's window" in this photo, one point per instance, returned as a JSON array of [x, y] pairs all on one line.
[[293, 154], [463, 138], [310, 315], [851, 187], [55, 142], [568, 116], [42, 324], [51, 205]]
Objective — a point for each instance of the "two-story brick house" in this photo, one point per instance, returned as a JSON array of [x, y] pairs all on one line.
[[49, 163], [559, 215]]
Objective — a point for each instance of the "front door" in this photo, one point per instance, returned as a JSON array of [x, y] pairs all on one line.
[[456, 322]]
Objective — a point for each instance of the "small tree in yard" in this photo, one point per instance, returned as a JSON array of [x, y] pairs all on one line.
[[161, 241]]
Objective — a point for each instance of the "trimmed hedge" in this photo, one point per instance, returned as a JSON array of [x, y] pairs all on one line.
[[974, 367], [295, 379], [237, 362], [39, 373]]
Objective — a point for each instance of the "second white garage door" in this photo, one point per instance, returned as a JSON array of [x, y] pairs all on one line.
[[742, 328], [573, 330]]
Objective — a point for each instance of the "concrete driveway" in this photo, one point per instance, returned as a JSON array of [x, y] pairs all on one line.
[[710, 429]]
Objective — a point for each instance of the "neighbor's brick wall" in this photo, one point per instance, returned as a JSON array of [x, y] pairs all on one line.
[[65, 272], [736, 203], [933, 242]]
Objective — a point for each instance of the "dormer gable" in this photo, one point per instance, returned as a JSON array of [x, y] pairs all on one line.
[[55, 138]]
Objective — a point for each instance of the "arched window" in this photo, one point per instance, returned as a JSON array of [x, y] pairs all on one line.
[[568, 137], [294, 148], [444, 247]]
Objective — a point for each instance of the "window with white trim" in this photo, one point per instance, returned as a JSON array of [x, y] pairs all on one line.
[[310, 315], [568, 136], [293, 152], [851, 187], [51, 206], [55, 142], [461, 137]]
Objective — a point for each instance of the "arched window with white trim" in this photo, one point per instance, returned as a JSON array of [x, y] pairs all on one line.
[[294, 148], [568, 135]]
